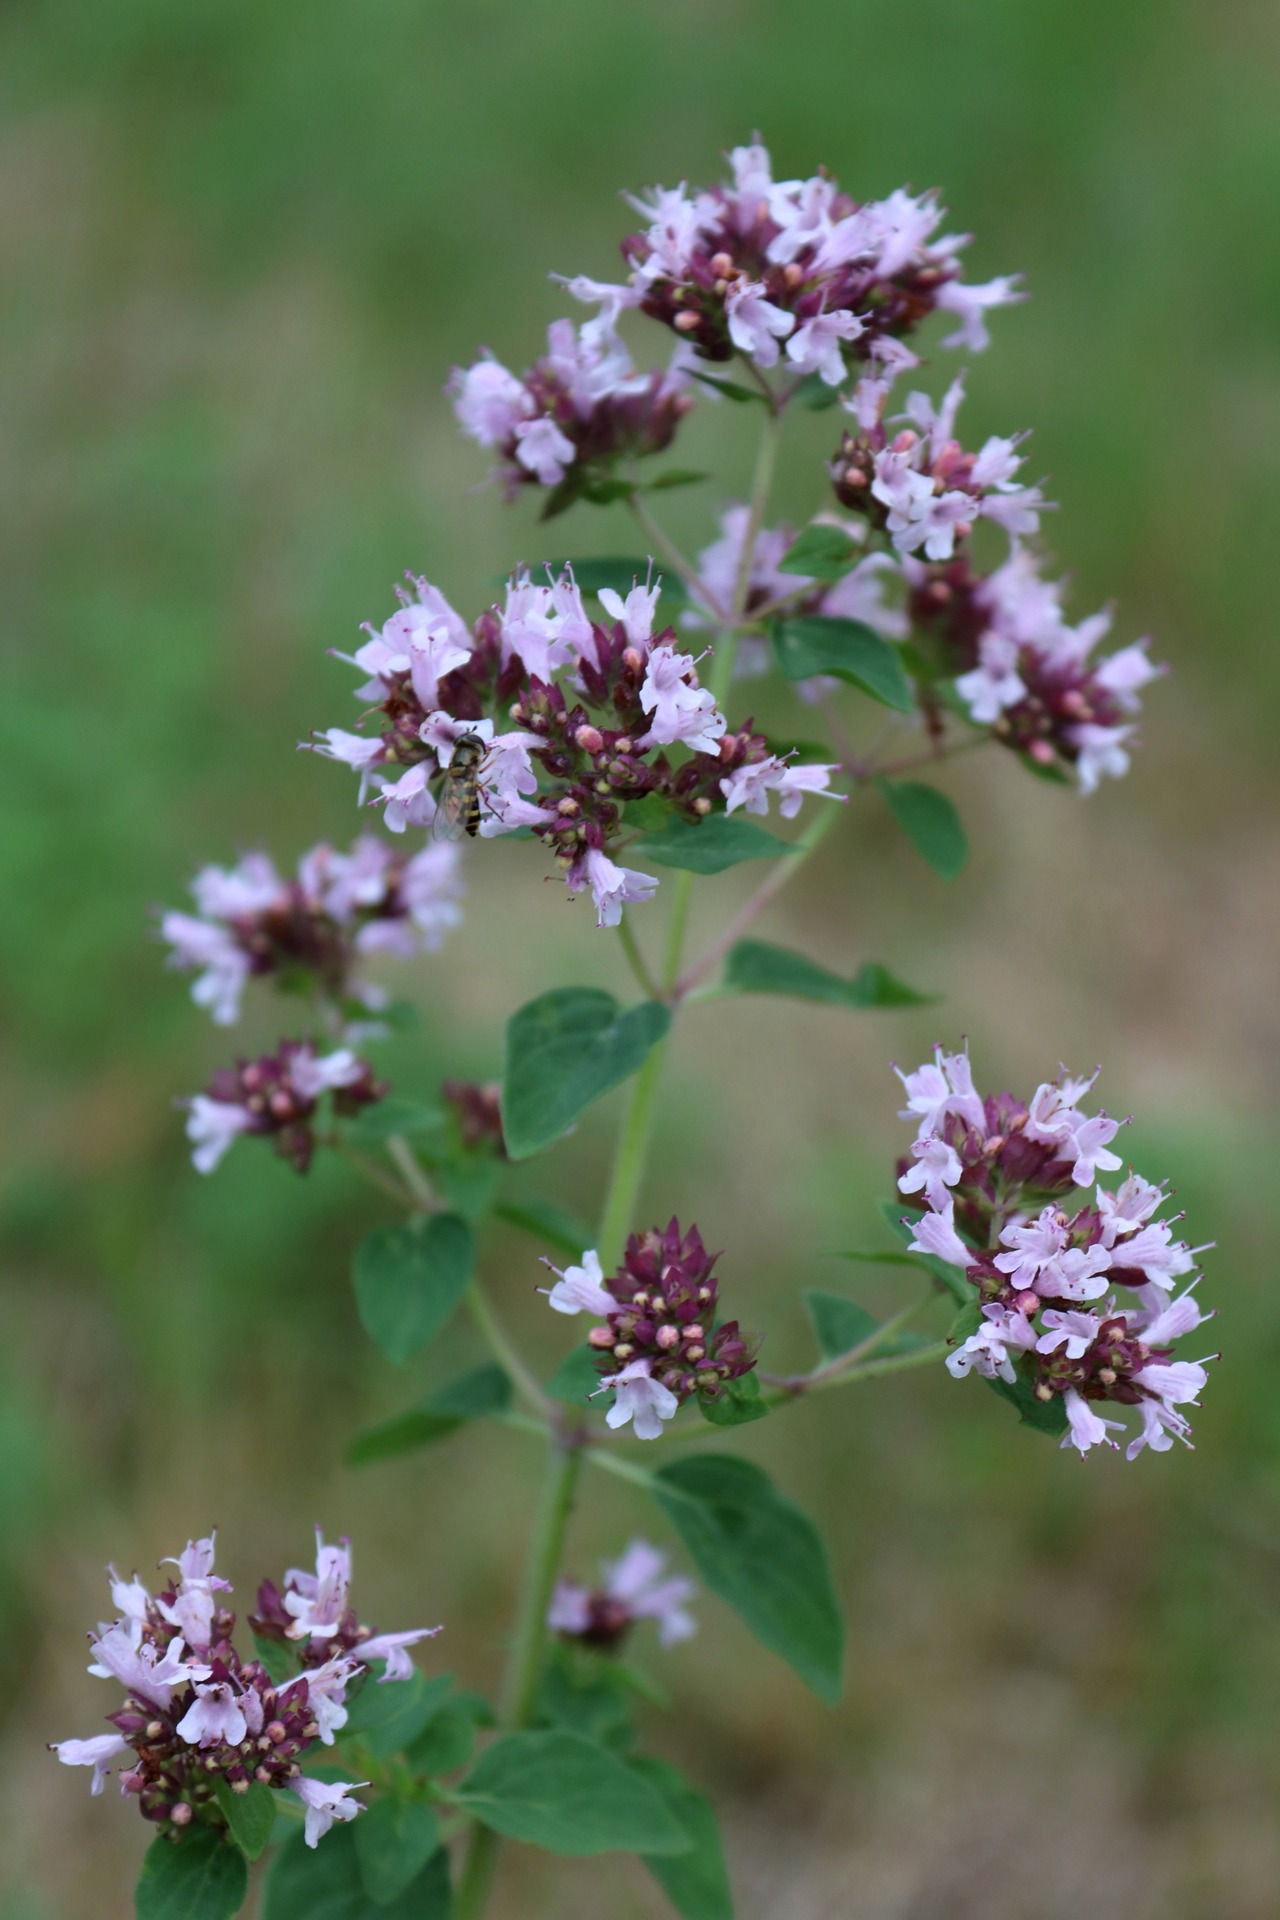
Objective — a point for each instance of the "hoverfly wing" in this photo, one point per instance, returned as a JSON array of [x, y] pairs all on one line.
[[449, 822]]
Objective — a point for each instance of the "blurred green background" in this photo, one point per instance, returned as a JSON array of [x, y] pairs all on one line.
[[242, 245]]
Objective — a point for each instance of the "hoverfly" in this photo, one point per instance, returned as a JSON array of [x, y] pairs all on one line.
[[458, 808]]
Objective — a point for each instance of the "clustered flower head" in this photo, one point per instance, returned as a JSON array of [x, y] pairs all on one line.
[[635, 1587], [997, 1178], [278, 1094], [310, 932], [196, 1712], [797, 271], [1023, 671], [594, 710], [660, 1343], [564, 422]]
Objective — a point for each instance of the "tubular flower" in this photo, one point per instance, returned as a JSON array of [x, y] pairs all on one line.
[[1024, 672], [316, 927], [794, 272], [635, 1587], [592, 710], [277, 1094], [660, 1343], [196, 1713], [564, 422], [996, 1177]]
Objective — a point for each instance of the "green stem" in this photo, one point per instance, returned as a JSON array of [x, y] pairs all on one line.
[[869, 1370], [665, 545], [414, 1175], [495, 1337], [628, 1160], [524, 1666], [635, 959]]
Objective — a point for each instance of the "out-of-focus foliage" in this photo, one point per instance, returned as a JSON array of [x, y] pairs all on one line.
[[241, 246]]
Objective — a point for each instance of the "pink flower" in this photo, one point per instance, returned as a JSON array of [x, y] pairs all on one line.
[[212, 1125], [635, 613], [392, 1647], [638, 1581], [1085, 1428], [215, 1715], [325, 1802], [755, 324], [995, 683], [681, 709], [971, 304], [198, 943], [860, 596], [935, 1091], [750, 786], [937, 1168], [326, 1693], [639, 1398], [544, 450], [612, 887], [815, 346], [141, 1668], [935, 1233], [488, 400], [582, 1289], [317, 1601], [96, 1752], [1075, 1332], [988, 1350]]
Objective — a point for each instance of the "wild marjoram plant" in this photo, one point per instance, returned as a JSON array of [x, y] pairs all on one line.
[[598, 737]]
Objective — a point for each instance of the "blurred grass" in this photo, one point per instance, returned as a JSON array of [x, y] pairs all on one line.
[[242, 246]]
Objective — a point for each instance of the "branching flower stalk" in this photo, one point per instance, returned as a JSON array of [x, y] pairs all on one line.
[[579, 714]]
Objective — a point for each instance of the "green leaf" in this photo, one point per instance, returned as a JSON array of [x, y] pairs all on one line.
[[737, 1402], [814, 393], [409, 1279], [545, 1221], [324, 1883], [696, 1883], [564, 1050], [603, 493], [564, 1793], [385, 1117], [821, 553], [676, 477], [470, 1182], [930, 822], [446, 1741], [710, 846], [758, 1550], [576, 1378], [754, 966], [394, 1841], [619, 574], [477, 1395], [278, 1657], [587, 1699], [1046, 1416], [648, 814], [729, 388], [250, 1815], [815, 643], [840, 1325], [388, 1715], [201, 1877]]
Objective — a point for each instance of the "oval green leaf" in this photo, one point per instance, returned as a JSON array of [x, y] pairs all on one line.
[[564, 1793], [394, 1841], [815, 643], [409, 1279], [564, 1050], [251, 1815], [930, 822], [760, 1552], [720, 841], [753, 966], [697, 1882], [200, 1877], [324, 1883]]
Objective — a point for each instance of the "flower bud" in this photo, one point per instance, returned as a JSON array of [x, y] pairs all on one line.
[[589, 738], [180, 1813]]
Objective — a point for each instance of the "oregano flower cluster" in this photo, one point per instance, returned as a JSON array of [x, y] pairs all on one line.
[[596, 708]]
